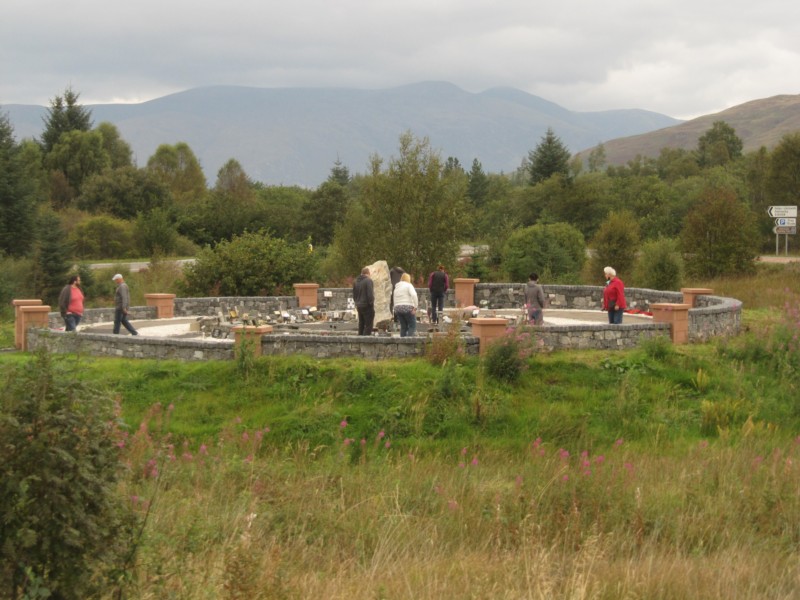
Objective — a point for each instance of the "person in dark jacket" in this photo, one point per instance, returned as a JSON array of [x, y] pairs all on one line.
[[438, 284], [364, 299], [534, 300]]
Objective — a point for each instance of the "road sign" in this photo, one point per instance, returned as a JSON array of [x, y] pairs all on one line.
[[784, 231], [782, 211], [786, 222]]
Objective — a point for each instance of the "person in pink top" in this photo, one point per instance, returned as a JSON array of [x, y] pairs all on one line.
[[70, 303], [614, 296]]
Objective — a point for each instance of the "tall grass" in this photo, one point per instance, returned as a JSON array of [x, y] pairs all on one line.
[[242, 517]]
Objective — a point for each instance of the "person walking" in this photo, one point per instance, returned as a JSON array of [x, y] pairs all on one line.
[[70, 303], [614, 296], [438, 284], [122, 303], [406, 302], [364, 299], [534, 300]]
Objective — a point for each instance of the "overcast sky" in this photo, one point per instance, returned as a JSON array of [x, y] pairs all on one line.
[[682, 58]]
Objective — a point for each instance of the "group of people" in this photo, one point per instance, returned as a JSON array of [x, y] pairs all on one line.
[[404, 301], [70, 304], [613, 298]]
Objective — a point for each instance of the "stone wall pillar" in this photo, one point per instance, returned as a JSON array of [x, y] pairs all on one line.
[[19, 331], [33, 316], [487, 330], [677, 315], [251, 335], [306, 294], [690, 294], [465, 291], [164, 303]]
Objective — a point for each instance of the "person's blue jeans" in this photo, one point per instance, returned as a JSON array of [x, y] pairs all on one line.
[[72, 320], [437, 305], [408, 323], [615, 316], [120, 318]]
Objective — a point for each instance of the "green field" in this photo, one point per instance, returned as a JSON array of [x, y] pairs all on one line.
[[661, 472]]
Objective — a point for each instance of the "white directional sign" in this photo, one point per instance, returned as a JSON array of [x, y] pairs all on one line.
[[786, 222], [784, 231], [782, 211]]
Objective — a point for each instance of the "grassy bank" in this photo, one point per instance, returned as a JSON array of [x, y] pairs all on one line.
[[662, 472]]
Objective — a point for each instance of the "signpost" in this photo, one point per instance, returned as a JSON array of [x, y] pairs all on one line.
[[782, 211], [785, 223]]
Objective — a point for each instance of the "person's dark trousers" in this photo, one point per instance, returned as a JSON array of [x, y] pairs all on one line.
[[71, 322], [437, 305], [615, 317], [120, 318], [366, 319]]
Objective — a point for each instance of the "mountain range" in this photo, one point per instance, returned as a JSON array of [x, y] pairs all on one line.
[[294, 136]]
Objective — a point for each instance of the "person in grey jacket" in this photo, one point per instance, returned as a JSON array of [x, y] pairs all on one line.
[[534, 300], [122, 303], [364, 299]]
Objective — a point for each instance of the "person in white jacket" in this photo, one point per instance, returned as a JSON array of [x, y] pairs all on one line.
[[405, 301]]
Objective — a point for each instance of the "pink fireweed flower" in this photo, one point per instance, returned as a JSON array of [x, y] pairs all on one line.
[[461, 465], [121, 444], [248, 458], [245, 436], [343, 424], [619, 442], [474, 461], [348, 441], [585, 454], [187, 456], [564, 454], [387, 444], [203, 449], [565, 478], [599, 459], [381, 434], [464, 451], [259, 435]]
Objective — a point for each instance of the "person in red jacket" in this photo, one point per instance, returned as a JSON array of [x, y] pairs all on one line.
[[614, 296]]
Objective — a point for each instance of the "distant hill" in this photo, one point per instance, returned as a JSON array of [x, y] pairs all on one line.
[[295, 135], [758, 123]]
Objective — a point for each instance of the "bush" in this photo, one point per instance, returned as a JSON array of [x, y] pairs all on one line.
[[102, 237], [252, 264], [556, 252], [615, 244], [659, 266], [64, 531], [507, 357]]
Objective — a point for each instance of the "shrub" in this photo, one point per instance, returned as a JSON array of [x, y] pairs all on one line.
[[444, 348], [507, 357], [63, 530], [555, 251], [102, 237], [615, 244], [659, 266], [252, 264]]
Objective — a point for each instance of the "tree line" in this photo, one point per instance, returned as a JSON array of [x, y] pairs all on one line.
[[76, 195]]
